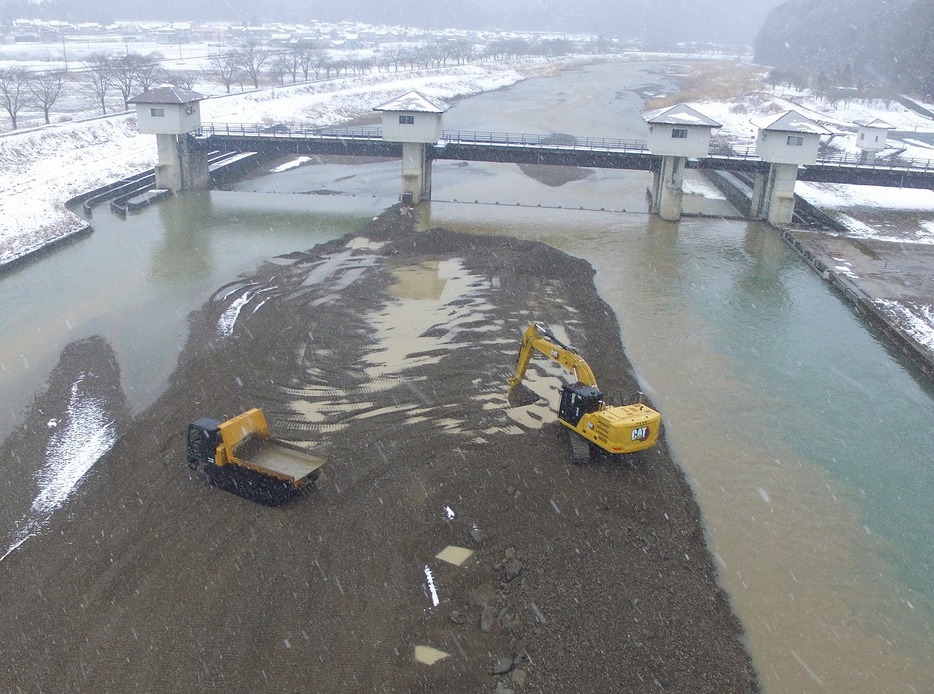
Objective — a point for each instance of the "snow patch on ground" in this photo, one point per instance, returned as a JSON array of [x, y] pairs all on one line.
[[71, 451], [294, 164], [916, 320], [839, 196]]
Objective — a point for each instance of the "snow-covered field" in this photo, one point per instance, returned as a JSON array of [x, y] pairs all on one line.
[[46, 166]]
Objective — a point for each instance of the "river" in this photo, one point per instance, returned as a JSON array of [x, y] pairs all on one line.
[[806, 438]]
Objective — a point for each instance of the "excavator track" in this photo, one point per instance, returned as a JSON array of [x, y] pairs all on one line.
[[579, 448]]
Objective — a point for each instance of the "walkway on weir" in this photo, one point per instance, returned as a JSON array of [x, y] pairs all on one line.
[[556, 150]]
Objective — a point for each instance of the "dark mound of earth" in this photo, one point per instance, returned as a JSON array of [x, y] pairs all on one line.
[[389, 355]]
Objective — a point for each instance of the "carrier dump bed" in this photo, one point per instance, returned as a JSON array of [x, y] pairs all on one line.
[[279, 459]]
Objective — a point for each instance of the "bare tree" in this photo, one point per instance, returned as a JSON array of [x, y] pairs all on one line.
[[462, 52], [251, 58], [327, 64], [45, 88], [410, 57], [303, 57], [149, 70], [283, 64], [438, 53], [361, 66], [395, 55], [315, 61], [100, 77], [225, 67], [123, 75], [13, 91], [185, 78]]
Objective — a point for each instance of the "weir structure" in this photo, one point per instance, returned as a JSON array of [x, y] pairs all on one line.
[[786, 150], [675, 134], [170, 113]]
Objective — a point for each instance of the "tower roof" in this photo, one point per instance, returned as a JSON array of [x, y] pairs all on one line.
[[875, 123], [680, 114], [167, 95], [792, 122], [414, 102]]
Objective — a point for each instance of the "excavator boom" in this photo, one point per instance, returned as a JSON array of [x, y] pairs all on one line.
[[538, 337]]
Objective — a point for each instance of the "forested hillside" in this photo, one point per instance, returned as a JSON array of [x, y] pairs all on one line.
[[853, 43]]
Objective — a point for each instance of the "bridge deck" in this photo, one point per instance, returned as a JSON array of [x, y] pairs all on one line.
[[520, 148]]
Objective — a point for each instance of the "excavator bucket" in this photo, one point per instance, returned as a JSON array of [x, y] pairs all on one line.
[[522, 396]]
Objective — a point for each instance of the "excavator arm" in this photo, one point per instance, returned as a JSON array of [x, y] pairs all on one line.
[[539, 337]]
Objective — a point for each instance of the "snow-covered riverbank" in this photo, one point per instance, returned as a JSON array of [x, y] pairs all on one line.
[[47, 166]]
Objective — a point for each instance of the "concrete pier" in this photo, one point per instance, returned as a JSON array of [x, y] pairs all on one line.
[[178, 167], [668, 189], [773, 194], [416, 172]]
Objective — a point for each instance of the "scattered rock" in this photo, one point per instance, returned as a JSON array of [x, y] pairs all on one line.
[[509, 622], [502, 666], [482, 594], [476, 535], [487, 617], [458, 617], [513, 569], [518, 677]]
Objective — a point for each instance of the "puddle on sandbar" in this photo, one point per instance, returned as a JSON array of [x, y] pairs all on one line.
[[429, 655], [421, 281], [455, 555], [360, 242]]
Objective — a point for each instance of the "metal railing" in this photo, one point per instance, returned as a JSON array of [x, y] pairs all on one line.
[[877, 163], [590, 144], [286, 130], [553, 142]]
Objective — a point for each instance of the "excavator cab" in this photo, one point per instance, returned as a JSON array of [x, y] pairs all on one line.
[[577, 400], [204, 436]]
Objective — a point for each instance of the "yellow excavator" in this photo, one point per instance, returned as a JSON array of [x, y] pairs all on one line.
[[616, 429]]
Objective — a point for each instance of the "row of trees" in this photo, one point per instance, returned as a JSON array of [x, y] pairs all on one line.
[[249, 62], [22, 89], [102, 77]]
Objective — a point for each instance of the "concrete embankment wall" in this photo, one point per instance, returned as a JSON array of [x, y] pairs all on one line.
[[864, 305], [919, 355]]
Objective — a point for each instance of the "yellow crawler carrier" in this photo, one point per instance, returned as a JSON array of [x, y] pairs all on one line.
[[241, 456], [616, 429]]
